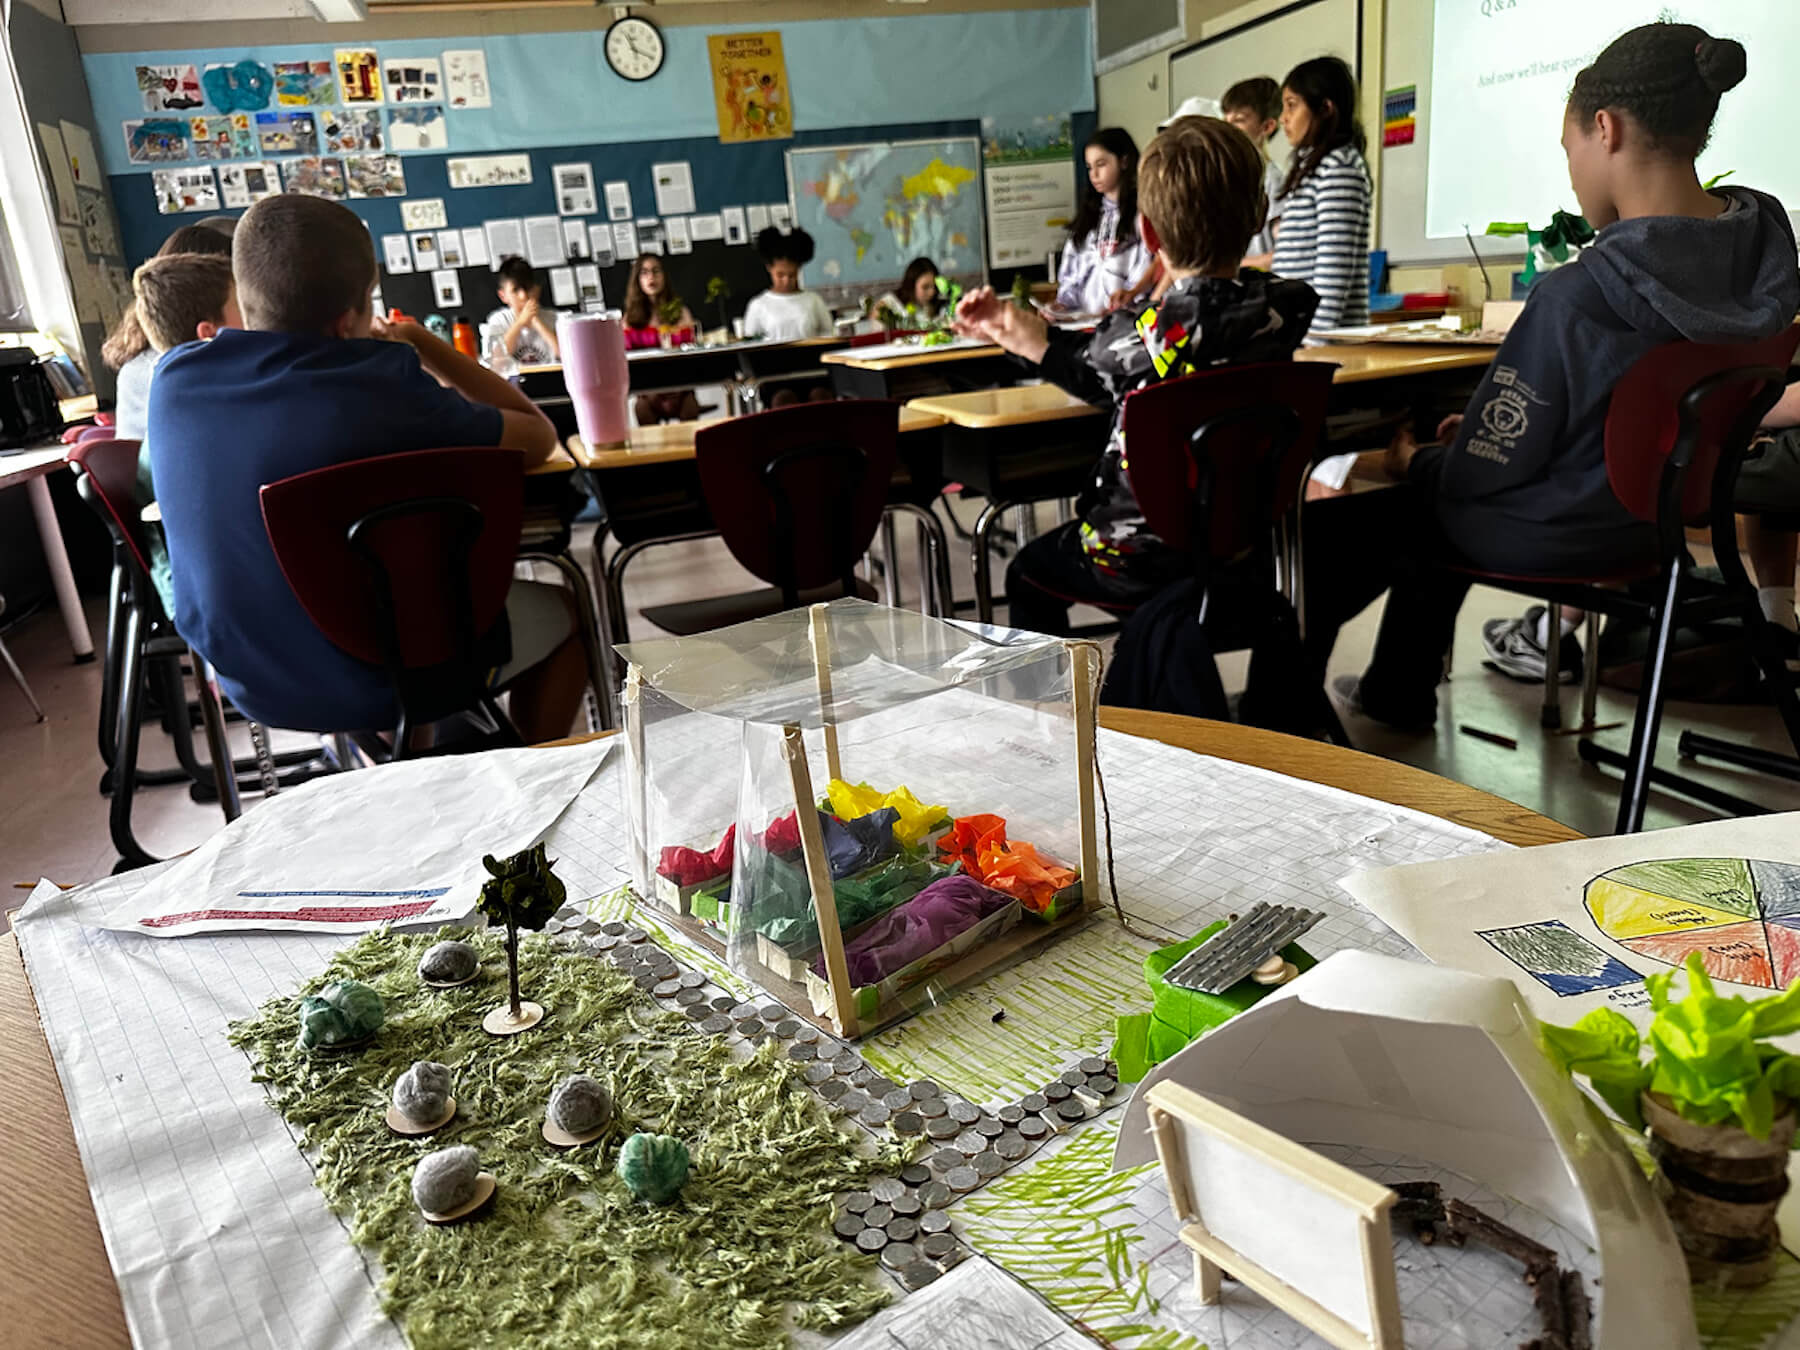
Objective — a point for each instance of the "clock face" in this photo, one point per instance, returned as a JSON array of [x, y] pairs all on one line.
[[634, 48]]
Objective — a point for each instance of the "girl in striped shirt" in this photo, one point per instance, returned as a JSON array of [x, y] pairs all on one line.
[[1325, 202]]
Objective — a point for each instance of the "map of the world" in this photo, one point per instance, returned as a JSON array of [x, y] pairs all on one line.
[[871, 209]]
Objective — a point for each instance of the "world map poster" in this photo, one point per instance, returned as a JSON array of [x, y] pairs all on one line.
[[871, 209]]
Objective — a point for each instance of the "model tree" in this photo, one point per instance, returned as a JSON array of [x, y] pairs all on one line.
[[521, 892]]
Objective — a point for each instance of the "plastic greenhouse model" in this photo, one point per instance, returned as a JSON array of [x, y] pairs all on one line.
[[934, 780]]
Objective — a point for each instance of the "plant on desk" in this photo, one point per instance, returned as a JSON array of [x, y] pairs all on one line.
[[718, 291], [1719, 1102], [521, 892], [1548, 247]]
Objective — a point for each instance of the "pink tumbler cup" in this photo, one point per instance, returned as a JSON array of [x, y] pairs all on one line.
[[598, 380]]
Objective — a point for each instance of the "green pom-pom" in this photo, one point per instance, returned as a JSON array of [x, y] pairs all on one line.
[[654, 1167], [339, 1014]]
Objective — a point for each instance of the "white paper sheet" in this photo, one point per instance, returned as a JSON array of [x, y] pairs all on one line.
[[543, 241], [736, 231], [396, 254], [424, 213], [348, 853], [977, 1306], [650, 235], [758, 217], [446, 289], [674, 188], [489, 171], [587, 286], [618, 201], [574, 189], [424, 250], [466, 79], [450, 249], [600, 243], [84, 160], [781, 215], [562, 287], [575, 239], [61, 179], [702, 228], [505, 239], [679, 241], [475, 247]]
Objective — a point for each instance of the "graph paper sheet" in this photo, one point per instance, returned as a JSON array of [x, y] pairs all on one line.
[[205, 1201]]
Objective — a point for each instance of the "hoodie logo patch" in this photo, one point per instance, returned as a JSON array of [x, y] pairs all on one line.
[[1505, 417]]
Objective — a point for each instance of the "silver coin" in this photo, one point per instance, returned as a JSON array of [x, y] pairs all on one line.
[[600, 946], [871, 1240], [933, 1108], [877, 1216], [613, 928], [874, 1115], [902, 1230], [944, 1159], [897, 1100], [786, 1028], [624, 957], [846, 1062], [847, 1226], [1033, 1127], [970, 1141], [698, 1012], [808, 1033], [918, 1275], [648, 981], [1032, 1102], [724, 1003], [636, 935], [913, 1174], [1072, 1111], [880, 1086], [1112, 1069], [1102, 1086], [1011, 1115], [801, 1053], [862, 1076], [691, 979], [934, 1220], [887, 1189], [589, 927], [858, 1202], [666, 989], [989, 1164], [923, 1089], [553, 925], [962, 1180], [816, 1073], [898, 1254], [1057, 1092], [743, 1012], [906, 1204], [752, 1026], [1073, 1077], [938, 1245], [964, 1113], [852, 1101], [942, 1128], [716, 1025], [832, 1089], [989, 1128], [1011, 1146], [689, 996], [909, 1123], [772, 1012]]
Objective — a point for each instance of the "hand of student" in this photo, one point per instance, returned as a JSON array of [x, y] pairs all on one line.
[[1398, 457], [403, 331], [1120, 298], [528, 312], [1449, 428], [983, 315]]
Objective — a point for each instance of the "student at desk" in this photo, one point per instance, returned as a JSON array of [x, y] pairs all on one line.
[[520, 327], [785, 312], [1520, 484], [652, 309], [128, 350]]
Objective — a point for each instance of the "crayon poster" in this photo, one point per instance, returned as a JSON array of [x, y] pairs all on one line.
[[750, 87]]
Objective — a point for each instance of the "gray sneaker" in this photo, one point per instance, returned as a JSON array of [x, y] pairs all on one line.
[[1513, 649]]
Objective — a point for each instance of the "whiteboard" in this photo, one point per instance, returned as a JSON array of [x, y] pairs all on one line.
[[1271, 45]]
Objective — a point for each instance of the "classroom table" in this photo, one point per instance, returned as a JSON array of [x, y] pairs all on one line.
[[63, 1292], [31, 469], [895, 371], [740, 368]]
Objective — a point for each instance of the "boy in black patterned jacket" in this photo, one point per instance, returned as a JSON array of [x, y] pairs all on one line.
[[1200, 189]]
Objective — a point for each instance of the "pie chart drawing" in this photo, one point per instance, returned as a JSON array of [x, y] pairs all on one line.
[[1742, 915]]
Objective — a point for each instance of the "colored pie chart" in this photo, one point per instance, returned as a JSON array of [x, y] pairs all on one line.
[[1742, 915]]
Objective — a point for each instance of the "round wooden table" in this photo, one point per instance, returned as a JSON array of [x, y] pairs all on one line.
[[61, 1291]]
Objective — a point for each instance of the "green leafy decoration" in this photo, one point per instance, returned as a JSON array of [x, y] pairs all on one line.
[[521, 892]]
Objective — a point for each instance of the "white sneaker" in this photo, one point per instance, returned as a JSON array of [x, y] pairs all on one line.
[[1513, 649]]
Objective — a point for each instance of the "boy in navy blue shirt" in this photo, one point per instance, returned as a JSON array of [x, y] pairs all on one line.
[[314, 380]]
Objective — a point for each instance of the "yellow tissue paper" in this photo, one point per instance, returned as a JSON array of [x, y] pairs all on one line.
[[850, 802]]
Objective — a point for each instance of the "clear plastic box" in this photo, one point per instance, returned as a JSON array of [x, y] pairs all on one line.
[[948, 772]]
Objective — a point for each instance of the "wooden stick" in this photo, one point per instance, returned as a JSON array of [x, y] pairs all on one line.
[[821, 646], [818, 873], [1383, 1290], [1081, 656]]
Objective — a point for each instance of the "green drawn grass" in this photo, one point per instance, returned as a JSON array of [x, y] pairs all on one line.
[[566, 1257]]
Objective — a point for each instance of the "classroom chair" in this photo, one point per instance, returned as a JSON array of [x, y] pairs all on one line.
[[1677, 428], [797, 494], [17, 674], [1217, 463], [408, 582], [143, 652]]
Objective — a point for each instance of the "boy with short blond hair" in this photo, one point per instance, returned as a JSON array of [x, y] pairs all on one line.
[[312, 380], [183, 297], [1201, 196], [1253, 106]]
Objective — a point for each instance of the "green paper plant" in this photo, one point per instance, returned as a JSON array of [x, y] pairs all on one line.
[[718, 291], [1707, 1054], [521, 892], [1556, 240]]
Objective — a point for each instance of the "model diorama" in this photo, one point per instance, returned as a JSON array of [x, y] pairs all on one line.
[[854, 804]]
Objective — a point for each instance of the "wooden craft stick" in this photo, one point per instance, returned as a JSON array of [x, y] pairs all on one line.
[[818, 874], [821, 646], [1081, 657], [637, 771]]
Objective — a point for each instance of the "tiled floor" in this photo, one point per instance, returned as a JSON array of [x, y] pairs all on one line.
[[53, 819]]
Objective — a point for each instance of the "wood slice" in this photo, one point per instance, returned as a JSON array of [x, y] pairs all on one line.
[[1732, 1275], [406, 1125], [1721, 1141], [555, 1134], [485, 1186], [451, 984], [500, 1022]]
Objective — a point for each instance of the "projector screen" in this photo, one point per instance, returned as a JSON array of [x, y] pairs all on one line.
[[1500, 76]]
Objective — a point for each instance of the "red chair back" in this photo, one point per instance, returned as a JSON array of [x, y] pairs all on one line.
[[1216, 458], [797, 493], [1679, 409], [429, 536], [108, 475]]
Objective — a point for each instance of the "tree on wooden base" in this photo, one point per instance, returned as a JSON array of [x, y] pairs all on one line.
[[521, 892]]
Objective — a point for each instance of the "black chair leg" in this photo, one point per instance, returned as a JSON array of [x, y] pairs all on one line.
[[109, 673], [1635, 794], [125, 752]]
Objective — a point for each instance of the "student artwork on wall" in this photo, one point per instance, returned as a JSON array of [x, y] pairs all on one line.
[[489, 171], [191, 188], [420, 126], [352, 131], [98, 230], [424, 252], [156, 140], [230, 137], [466, 76], [241, 185], [359, 74], [170, 88], [84, 160], [575, 239], [750, 86], [450, 249], [305, 84], [574, 189], [446, 289], [375, 175], [62, 180], [424, 213], [315, 177], [396, 254], [413, 79], [238, 86], [287, 133]]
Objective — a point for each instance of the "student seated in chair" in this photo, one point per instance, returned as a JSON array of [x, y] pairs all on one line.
[[1519, 483], [314, 379], [1200, 190]]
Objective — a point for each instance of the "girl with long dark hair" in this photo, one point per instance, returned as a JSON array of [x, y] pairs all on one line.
[[1326, 200], [1104, 254]]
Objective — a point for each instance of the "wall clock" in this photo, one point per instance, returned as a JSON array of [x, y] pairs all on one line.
[[634, 48]]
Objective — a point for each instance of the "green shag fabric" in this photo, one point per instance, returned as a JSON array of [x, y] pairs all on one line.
[[566, 1256]]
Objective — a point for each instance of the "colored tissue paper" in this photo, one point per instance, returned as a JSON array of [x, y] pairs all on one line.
[[688, 866], [851, 846], [930, 919], [979, 843], [916, 820], [782, 838], [859, 899]]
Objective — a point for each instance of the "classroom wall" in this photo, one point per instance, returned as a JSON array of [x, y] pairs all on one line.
[[1136, 96]]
